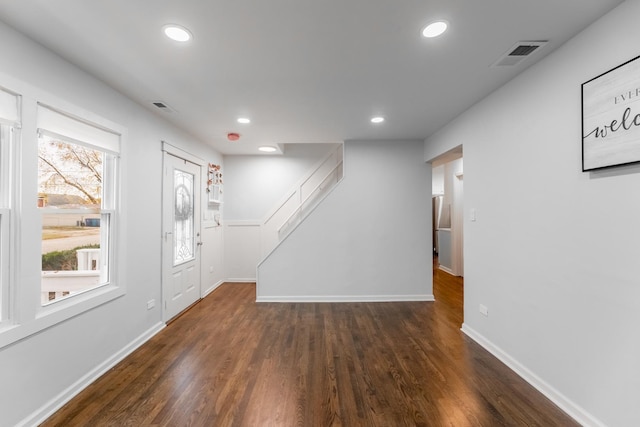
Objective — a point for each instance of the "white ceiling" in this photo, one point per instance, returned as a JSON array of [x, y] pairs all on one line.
[[302, 70]]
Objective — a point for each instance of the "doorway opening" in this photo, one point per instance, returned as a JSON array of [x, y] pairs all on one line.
[[448, 214], [448, 209]]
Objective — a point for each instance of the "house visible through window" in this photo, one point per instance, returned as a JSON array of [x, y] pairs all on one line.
[[76, 186]]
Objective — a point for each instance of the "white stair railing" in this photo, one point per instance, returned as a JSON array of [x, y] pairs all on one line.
[[301, 200], [296, 216]]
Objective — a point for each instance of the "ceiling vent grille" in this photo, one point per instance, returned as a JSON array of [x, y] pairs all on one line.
[[163, 106], [518, 53]]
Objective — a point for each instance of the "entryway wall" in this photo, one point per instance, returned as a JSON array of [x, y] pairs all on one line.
[[369, 238], [254, 185]]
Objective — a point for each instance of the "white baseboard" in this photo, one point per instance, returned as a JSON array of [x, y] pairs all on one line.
[[212, 288], [446, 269], [40, 415], [346, 298], [242, 280], [572, 409]]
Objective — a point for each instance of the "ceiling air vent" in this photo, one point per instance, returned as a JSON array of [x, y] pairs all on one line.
[[518, 53], [163, 106]]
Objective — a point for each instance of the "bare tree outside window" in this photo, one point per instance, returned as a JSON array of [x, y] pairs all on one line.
[[70, 186], [70, 170]]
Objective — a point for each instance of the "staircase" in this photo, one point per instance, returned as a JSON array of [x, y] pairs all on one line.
[[301, 200]]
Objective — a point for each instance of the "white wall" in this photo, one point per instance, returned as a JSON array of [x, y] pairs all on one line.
[[370, 239], [44, 369], [437, 176], [253, 187], [453, 195], [212, 258], [451, 250], [554, 251]]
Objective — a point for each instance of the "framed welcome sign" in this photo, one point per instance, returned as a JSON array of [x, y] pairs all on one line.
[[611, 118]]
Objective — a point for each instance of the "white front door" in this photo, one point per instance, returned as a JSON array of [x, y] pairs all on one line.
[[181, 235]]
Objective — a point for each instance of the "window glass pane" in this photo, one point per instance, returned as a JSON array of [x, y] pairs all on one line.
[[184, 242], [4, 273], [75, 231], [69, 175], [5, 166], [71, 252], [5, 214]]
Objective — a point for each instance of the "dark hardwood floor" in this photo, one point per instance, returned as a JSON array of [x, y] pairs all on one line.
[[231, 362]]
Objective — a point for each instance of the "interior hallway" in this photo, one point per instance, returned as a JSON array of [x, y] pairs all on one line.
[[229, 361]]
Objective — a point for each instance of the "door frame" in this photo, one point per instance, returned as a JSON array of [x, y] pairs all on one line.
[[169, 149]]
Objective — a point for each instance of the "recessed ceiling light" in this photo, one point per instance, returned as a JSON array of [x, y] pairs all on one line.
[[268, 149], [244, 120], [378, 119], [435, 29], [177, 33]]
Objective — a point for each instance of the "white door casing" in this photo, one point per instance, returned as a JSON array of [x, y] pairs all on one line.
[[181, 235]]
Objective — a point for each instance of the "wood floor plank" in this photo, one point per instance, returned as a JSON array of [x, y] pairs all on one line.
[[231, 362]]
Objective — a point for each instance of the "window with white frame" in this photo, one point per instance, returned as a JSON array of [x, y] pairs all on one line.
[[77, 164], [9, 125]]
